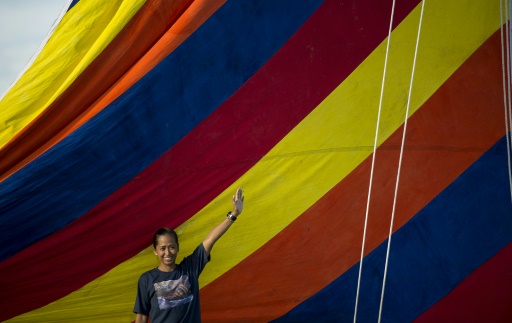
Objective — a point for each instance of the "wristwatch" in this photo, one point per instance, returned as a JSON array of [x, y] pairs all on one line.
[[231, 217]]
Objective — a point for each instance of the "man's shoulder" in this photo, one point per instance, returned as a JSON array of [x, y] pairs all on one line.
[[198, 252]]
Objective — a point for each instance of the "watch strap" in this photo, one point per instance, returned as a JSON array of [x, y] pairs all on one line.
[[231, 217]]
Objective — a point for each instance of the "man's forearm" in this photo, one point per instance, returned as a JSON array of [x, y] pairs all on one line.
[[216, 233], [221, 228]]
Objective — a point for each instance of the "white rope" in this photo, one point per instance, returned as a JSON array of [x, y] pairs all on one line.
[[509, 128], [373, 159], [400, 161], [39, 49], [505, 68]]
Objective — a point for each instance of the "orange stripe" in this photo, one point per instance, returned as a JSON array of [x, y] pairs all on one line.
[[96, 87], [326, 240]]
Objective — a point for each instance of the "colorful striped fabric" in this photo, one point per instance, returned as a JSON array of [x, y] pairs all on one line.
[[150, 113]]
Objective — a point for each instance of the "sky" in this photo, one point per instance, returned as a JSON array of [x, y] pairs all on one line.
[[24, 24]]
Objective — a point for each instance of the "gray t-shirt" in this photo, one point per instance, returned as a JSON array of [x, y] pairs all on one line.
[[172, 296]]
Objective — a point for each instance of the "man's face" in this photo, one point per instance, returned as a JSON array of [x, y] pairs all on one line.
[[166, 250]]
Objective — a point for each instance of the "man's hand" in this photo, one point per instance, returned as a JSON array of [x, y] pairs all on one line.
[[238, 202]]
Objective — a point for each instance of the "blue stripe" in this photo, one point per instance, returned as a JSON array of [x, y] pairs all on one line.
[[73, 3], [459, 230], [140, 126]]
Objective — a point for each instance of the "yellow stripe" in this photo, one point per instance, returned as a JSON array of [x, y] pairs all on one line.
[[327, 145], [81, 35]]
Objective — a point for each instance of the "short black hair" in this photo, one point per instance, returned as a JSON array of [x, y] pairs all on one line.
[[162, 232]]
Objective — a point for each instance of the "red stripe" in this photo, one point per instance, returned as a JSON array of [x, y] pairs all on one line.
[[444, 137], [315, 60], [484, 296], [136, 38]]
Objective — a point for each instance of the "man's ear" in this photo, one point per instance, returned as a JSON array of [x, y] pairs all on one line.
[[154, 251]]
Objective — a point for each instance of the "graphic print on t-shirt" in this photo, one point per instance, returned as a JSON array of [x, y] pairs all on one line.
[[172, 293]]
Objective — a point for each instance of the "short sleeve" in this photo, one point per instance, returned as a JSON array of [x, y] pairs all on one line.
[[197, 260], [142, 302]]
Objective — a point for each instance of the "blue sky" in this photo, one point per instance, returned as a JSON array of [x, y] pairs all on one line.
[[24, 24]]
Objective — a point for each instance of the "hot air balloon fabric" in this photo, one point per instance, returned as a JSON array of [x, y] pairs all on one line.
[[371, 139]]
